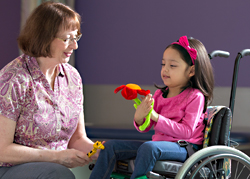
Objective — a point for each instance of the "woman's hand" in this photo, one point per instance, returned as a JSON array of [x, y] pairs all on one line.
[[73, 158], [143, 109]]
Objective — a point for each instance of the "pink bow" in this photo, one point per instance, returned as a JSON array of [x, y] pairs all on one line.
[[183, 41]]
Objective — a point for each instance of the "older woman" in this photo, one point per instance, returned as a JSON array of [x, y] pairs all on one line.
[[41, 101]]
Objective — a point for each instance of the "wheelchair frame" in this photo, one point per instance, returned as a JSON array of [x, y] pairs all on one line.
[[211, 153]]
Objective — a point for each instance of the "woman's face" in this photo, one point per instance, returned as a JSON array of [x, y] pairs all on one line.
[[61, 48]]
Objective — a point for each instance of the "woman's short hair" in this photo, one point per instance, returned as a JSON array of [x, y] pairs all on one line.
[[43, 25]]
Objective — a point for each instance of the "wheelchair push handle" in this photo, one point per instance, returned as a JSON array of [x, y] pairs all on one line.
[[245, 52], [219, 53], [240, 55]]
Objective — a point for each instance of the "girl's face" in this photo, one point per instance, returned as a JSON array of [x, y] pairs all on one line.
[[61, 50], [175, 72]]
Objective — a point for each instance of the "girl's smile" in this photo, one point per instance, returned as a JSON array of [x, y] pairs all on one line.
[[166, 77]]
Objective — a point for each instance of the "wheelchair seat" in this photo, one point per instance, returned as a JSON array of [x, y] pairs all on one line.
[[217, 131]]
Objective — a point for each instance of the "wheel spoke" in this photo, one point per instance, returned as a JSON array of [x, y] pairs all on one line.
[[213, 168], [217, 162], [236, 169], [213, 163], [203, 168], [248, 176], [240, 171]]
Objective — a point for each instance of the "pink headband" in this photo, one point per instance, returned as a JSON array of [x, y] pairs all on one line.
[[183, 41]]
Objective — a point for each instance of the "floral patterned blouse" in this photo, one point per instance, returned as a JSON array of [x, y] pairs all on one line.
[[45, 119]]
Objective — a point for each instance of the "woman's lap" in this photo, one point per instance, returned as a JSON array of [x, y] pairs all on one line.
[[36, 170]]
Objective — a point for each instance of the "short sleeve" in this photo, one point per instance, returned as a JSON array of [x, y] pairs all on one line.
[[9, 105]]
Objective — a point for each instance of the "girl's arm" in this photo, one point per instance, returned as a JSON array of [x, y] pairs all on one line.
[[185, 127], [18, 154]]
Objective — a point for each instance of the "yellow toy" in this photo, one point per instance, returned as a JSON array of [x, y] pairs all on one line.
[[96, 145]]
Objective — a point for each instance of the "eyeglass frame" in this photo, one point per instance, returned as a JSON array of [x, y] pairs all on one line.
[[70, 39]]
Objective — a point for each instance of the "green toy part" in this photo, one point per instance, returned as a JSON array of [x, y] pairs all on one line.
[[147, 118]]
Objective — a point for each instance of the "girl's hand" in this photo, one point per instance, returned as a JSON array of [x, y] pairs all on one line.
[[143, 109], [154, 115], [71, 158]]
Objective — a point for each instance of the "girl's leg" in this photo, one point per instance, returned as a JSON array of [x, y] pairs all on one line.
[[36, 170], [114, 150], [150, 152]]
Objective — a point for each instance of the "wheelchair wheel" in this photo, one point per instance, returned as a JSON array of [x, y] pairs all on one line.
[[242, 167], [209, 163]]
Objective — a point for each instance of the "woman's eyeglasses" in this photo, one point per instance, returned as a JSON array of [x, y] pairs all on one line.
[[68, 40]]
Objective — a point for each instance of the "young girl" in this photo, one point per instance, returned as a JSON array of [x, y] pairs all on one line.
[[178, 112]]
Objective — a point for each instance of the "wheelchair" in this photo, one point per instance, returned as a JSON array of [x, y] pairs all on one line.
[[217, 159]]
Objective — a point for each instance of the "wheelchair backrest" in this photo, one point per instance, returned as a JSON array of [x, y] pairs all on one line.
[[218, 125]]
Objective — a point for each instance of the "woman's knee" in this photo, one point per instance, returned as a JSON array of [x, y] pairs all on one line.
[[58, 171], [39, 170]]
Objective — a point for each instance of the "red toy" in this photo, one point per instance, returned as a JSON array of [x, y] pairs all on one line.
[[130, 92]]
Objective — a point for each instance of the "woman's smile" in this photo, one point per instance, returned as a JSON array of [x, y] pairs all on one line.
[[67, 54]]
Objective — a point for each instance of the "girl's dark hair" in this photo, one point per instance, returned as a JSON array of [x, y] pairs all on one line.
[[203, 78], [43, 25]]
